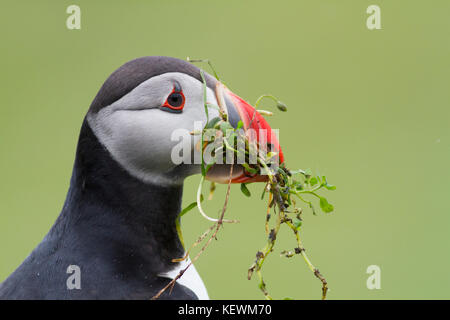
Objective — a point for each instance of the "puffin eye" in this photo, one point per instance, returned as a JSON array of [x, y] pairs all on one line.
[[175, 101]]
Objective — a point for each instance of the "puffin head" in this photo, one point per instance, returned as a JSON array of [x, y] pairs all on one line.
[[144, 102]]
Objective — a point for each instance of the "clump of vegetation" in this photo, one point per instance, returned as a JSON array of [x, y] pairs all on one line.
[[286, 190]]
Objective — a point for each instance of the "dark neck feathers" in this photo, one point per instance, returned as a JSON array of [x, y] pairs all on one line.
[[118, 230], [110, 213]]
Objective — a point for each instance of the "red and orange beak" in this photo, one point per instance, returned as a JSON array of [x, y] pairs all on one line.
[[239, 110]]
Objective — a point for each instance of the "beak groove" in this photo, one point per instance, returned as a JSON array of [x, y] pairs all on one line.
[[237, 110]]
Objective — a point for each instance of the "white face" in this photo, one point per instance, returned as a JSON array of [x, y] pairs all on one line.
[[138, 133]]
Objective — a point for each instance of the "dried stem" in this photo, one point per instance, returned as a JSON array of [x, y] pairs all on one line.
[[281, 186], [301, 250], [275, 196], [217, 224]]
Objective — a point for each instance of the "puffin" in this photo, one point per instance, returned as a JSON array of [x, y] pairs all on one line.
[[117, 227]]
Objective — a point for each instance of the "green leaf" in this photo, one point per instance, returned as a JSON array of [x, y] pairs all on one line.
[[297, 185], [212, 123], [299, 171], [330, 187], [313, 181], [271, 155], [245, 190], [249, 169], [263, 193], [224, 126], [326, 184], [240, 125], [190, 207], [325, 206], [297, 223], [283, 174], [308, 173]]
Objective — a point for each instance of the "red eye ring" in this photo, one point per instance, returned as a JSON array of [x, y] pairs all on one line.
[[175, 100]]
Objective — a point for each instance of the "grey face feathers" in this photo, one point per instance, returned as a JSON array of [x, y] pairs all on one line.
[[134, 117], [110, 212], [136, 71]]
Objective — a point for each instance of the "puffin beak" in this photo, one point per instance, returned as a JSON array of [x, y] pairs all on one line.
[[256, 129]]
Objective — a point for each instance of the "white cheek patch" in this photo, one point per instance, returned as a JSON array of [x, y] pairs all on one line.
[[138, 134]]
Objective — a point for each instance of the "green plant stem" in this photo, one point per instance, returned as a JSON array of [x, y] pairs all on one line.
[[308, 262], [265, 96], [199, 204]]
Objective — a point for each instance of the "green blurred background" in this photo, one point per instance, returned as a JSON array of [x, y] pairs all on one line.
[[369, 109]]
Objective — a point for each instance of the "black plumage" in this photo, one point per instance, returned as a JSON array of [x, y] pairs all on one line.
[[119, 230]]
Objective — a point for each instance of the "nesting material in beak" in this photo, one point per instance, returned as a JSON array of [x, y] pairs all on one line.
[[257, 132]]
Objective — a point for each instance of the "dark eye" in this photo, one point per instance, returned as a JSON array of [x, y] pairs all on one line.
[[175, 99]]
